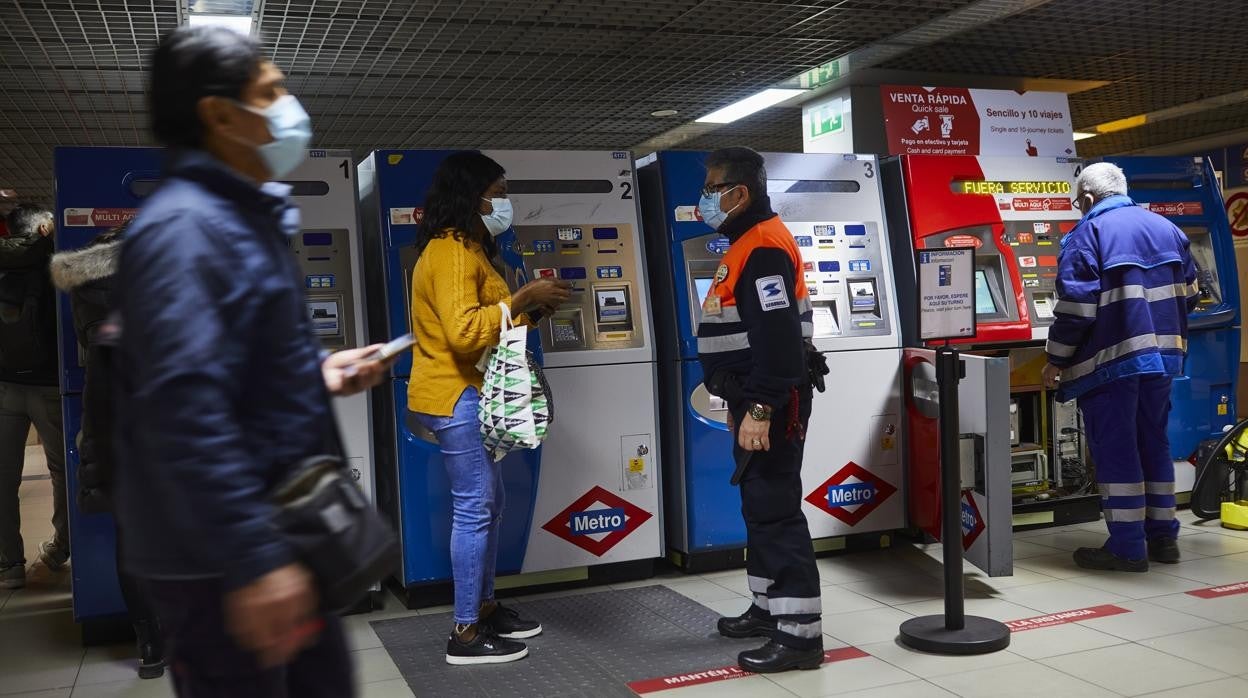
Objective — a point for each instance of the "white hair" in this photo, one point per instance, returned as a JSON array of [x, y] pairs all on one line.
[[1102, 180], [25, 221]]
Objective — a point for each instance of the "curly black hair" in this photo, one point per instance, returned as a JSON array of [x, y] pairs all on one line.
[[453, 203]]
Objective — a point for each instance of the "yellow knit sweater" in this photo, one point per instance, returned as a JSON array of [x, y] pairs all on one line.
[[455, 317]]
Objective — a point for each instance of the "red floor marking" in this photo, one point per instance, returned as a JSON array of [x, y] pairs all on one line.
[[1219, 592], [1065, 617], [726, 673]]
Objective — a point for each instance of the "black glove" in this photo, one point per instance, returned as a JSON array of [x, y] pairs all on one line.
[[816, 367]]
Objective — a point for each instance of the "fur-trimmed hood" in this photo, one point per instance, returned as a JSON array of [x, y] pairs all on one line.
[[76, 268]]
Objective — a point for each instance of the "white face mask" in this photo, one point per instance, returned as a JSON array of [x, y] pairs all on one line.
[[500, 220]]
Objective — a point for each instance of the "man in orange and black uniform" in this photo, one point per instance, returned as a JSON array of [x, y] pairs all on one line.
[[752, 341]]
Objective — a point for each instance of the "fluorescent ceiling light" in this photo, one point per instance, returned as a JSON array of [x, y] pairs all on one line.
[[239, 23], [749, 105], [1080, 135]]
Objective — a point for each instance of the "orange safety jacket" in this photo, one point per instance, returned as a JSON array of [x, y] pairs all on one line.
[[757, 316]]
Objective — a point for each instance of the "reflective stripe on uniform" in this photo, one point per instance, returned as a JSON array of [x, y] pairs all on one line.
[[790, 606], [725, 316], [1139, 343], [1121, 489], [1160, 513], [728, 342], [808, 330], [1162, 488], [760, 600], [806, 631], [1087, 310], [758, 585], [1124, 515], [803, 305], [1156, 293], [1058, 349]]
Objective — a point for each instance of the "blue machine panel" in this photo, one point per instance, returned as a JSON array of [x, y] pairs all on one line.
[[96, 189], [700, 494], [423, 497], [1185, 190], [93, 544], [425, 493]]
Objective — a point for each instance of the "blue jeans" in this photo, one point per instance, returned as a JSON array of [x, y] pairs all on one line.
[[1126, 424], [476, 501]]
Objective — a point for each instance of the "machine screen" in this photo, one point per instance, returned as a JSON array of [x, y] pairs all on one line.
[[1206, 265], [612, 305], [984, 303], [318, 239], [703, 287]]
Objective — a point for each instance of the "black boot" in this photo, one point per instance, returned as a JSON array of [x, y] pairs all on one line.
[[151, 650], [1164, 550], [755, 622], [773, 657], [1102, 559]]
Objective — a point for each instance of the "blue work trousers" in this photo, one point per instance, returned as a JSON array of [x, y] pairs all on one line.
[[1126, 426]]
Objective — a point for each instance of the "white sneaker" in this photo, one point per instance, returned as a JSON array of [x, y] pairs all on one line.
[[53, 556]]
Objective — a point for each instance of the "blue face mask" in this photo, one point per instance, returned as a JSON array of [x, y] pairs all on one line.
[[291, 128], [712, 214], [500, 220]]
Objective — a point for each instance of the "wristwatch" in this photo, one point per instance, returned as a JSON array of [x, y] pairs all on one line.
[[760, 412]]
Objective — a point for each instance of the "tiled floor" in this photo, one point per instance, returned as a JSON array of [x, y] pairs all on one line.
[[1169, 643]]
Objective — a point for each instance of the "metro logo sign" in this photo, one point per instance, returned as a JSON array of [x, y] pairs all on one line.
[[597, 521], [972, 520], [851, 500]]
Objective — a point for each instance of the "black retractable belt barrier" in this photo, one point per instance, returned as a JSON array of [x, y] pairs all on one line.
[[954, 632]]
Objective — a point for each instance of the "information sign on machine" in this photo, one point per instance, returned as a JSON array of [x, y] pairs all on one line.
[[947, 293]]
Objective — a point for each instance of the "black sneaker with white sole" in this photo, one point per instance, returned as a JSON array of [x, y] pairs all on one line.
[[485, 648], [507, 624]]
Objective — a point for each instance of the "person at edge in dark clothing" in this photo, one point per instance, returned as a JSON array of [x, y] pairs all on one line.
[[29, 389], [756, 320], [87, 275], [222, 386]]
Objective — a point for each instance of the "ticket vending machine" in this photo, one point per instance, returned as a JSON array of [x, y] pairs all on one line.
[[99, 188], [576, 220], [852, 475], [1185, 190], [96, 189], [1014, 212]]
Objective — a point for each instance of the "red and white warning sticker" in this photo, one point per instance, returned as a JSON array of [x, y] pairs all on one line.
[[726, 673], [1065, 617], [1219, 592]]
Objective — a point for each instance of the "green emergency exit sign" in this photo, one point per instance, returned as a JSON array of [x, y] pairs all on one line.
[[820, 75], [827, 118]]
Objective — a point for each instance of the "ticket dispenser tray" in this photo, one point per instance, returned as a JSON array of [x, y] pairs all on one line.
[[613, 312]]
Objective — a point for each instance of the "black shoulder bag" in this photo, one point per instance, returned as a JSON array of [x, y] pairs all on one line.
[[335, 530]]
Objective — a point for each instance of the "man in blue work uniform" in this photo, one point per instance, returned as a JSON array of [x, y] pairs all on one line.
[[1126, 282], [756, 320]]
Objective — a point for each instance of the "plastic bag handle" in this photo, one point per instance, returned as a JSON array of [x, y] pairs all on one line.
[[506, 322]]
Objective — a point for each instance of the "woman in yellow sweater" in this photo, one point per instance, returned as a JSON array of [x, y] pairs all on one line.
[[456, 291]]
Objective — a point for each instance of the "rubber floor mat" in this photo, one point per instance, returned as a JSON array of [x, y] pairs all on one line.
[[593, 644]]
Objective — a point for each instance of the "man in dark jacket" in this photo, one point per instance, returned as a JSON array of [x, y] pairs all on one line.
[[756, 320], [1125, 284], [87, 275], [29, 388], [221, 384]]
